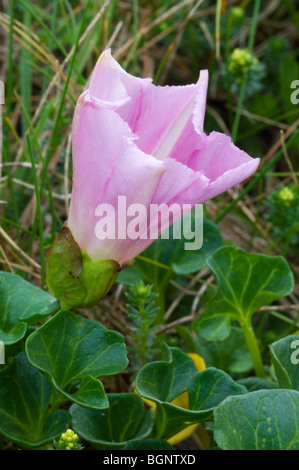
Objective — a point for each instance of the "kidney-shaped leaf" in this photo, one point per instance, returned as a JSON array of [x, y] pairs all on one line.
[[205, 391], [246, 282], [194, 260], [262, 420], [204, 238], [231, 354], [69, 348], [164, 380], [25, 406], [124, 420], [285, 357], [21, 304], [182, 396], [253, 384]]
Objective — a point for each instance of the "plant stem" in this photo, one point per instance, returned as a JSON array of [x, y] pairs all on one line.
[[244, 85], [252, 344]]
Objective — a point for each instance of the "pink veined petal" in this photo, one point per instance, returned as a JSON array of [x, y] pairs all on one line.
[[136, 177], [218, 166], [176, 181], [97, 141], [173, 196], [185, 127], [106, 84], [224, 164], [192, 137], [143, 179], [199, 111], [163, 116], [116, 88], [159, 116]]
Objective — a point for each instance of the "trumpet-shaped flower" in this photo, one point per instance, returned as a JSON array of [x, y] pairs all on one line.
[[145, 143]]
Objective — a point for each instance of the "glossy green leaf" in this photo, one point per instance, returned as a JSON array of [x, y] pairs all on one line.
[[25, 406], [21, 304], [129, 276], [193, 261], [262, 420], [205, 391], [163, 382], [246, 282], [256, 383], [173, 253], [71, 349], [124, 420], [285, 357], [231, 354]]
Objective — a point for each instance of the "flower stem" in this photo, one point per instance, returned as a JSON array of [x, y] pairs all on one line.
[[253, 347], [236, 123]]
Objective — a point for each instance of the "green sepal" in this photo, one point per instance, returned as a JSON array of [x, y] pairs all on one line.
[[73, 277]]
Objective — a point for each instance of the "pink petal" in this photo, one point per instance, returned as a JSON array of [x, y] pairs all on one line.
[[157, 115], [176, 181], [137, 177], [98, 142], [116, 88], [224, 164], [193, 138], [164, 114]]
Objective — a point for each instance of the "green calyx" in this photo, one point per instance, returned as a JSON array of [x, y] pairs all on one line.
[[73, 277]]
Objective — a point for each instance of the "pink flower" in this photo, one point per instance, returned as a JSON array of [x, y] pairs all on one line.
[[146, 142]]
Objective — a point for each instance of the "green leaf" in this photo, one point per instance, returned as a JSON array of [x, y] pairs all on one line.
[[246, 282], [285, 357], [231, 354], [214, 328], [21, 304], [164, 384], [25, 406], [205, 391], [129, 276], [255, 383], [164, 380], [168, 258], [124, 420], [69, 349], [262, 420], [148, 444], [193, 261], [209, 388]]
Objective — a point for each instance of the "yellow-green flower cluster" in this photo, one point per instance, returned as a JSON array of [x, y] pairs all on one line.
[[240, 63], [286, 195], [237, 13], [68, 441]]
